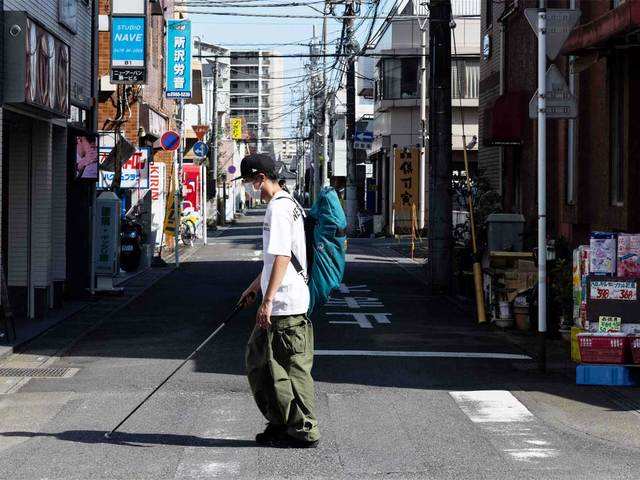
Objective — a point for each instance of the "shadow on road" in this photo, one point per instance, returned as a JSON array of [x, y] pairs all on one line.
[[182, 309], [135, 439]]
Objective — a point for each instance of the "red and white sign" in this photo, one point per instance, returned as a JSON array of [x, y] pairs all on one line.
[[191, 186], [613, 290], [158, 188], [200, 131], [170, 140], [135, 171]]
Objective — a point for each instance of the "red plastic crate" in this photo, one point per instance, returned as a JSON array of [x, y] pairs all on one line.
[[604, 347], [635, 348]]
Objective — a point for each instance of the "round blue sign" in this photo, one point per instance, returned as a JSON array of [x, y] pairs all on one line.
[[170, 140], [200, 149], [231, 169]]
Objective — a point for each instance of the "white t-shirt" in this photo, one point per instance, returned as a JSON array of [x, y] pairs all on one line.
[[283, 233]]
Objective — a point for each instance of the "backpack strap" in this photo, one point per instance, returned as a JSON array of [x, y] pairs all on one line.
[[294, 260]]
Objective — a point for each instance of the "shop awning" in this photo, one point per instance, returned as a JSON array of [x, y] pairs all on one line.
[[508, 119], [604, 30]]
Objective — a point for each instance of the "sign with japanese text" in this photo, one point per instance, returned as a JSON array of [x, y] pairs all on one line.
[[106, 226], [157, 186], [135, 170], [128, 49], [191, 183], [170, 211], [407, 185], [613, 290], [236, 128], [609, 324], [178, 59]]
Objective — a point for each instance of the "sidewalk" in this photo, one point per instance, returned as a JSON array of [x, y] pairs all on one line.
[[68, 325]]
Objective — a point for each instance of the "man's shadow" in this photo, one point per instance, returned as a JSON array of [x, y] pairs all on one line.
[[135, 439]]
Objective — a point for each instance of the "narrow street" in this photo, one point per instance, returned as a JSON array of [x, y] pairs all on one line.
[[407, 387]]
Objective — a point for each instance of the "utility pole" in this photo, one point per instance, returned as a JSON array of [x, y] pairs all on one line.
[[352, 199], [259, 136], [213, 140], [325, 102], [440, 205], [317, 117], [423, 11]]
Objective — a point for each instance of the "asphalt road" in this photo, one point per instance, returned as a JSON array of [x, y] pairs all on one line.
[[407, 388]]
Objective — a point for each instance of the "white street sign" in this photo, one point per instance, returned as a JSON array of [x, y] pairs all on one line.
[[560, 23], [560, 102]]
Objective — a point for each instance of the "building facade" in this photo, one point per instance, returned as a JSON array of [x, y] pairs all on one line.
[[397, 92], [592, 169], [48, 102], [256, 95], [138, 113]]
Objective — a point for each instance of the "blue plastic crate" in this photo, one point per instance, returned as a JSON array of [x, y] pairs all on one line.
[[612, 375]]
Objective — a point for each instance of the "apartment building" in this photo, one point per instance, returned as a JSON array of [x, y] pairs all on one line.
[[256, 95]]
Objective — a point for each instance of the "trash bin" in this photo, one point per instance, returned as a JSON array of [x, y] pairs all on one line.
[[505, 232]]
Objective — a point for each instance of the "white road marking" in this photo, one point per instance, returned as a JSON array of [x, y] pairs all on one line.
[[361, 318], [355, 302], [346, 289], [492, 406], [510, 426], [391, 353]]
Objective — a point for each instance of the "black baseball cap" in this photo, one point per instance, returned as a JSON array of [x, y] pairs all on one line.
[[256, 163]]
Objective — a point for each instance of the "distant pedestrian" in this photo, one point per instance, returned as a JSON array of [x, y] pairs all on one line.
[[283, 185], [280, 350]]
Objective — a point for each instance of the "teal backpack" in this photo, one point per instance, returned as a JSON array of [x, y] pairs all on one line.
[[325, 229]]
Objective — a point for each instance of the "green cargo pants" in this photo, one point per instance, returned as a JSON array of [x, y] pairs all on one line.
[[279, 362]]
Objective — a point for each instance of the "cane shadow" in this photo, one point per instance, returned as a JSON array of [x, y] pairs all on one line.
[[133, 439]]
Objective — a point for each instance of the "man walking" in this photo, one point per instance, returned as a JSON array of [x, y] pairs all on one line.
[[280, 350]]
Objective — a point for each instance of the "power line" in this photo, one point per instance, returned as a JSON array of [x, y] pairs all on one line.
[[302, 16]]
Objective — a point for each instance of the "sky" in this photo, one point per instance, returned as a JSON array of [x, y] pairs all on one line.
[[229, 31]]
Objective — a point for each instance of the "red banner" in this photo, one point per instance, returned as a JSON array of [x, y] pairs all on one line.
[[191, 184]]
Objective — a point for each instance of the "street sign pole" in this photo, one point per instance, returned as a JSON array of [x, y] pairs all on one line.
[[178, 189], [542, 178]]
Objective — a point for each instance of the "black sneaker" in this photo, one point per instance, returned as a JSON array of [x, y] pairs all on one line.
[[271, 435], [290, 442]]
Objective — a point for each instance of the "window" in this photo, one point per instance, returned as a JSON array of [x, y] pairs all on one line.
[[617, 75], [465, 85], [400, 78]]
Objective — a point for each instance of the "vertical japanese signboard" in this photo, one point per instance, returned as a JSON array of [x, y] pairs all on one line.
[[128, 49], [178, 59], [191, 183], [407, 186], [236, 128]]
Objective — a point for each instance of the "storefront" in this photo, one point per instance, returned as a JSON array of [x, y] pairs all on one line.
[[34, 161]]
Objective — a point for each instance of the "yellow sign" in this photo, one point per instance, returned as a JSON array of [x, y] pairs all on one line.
[[236, 128], [170, 213], [407, 186]]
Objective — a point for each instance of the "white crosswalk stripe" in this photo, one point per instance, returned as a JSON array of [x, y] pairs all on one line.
[[508, 424]]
